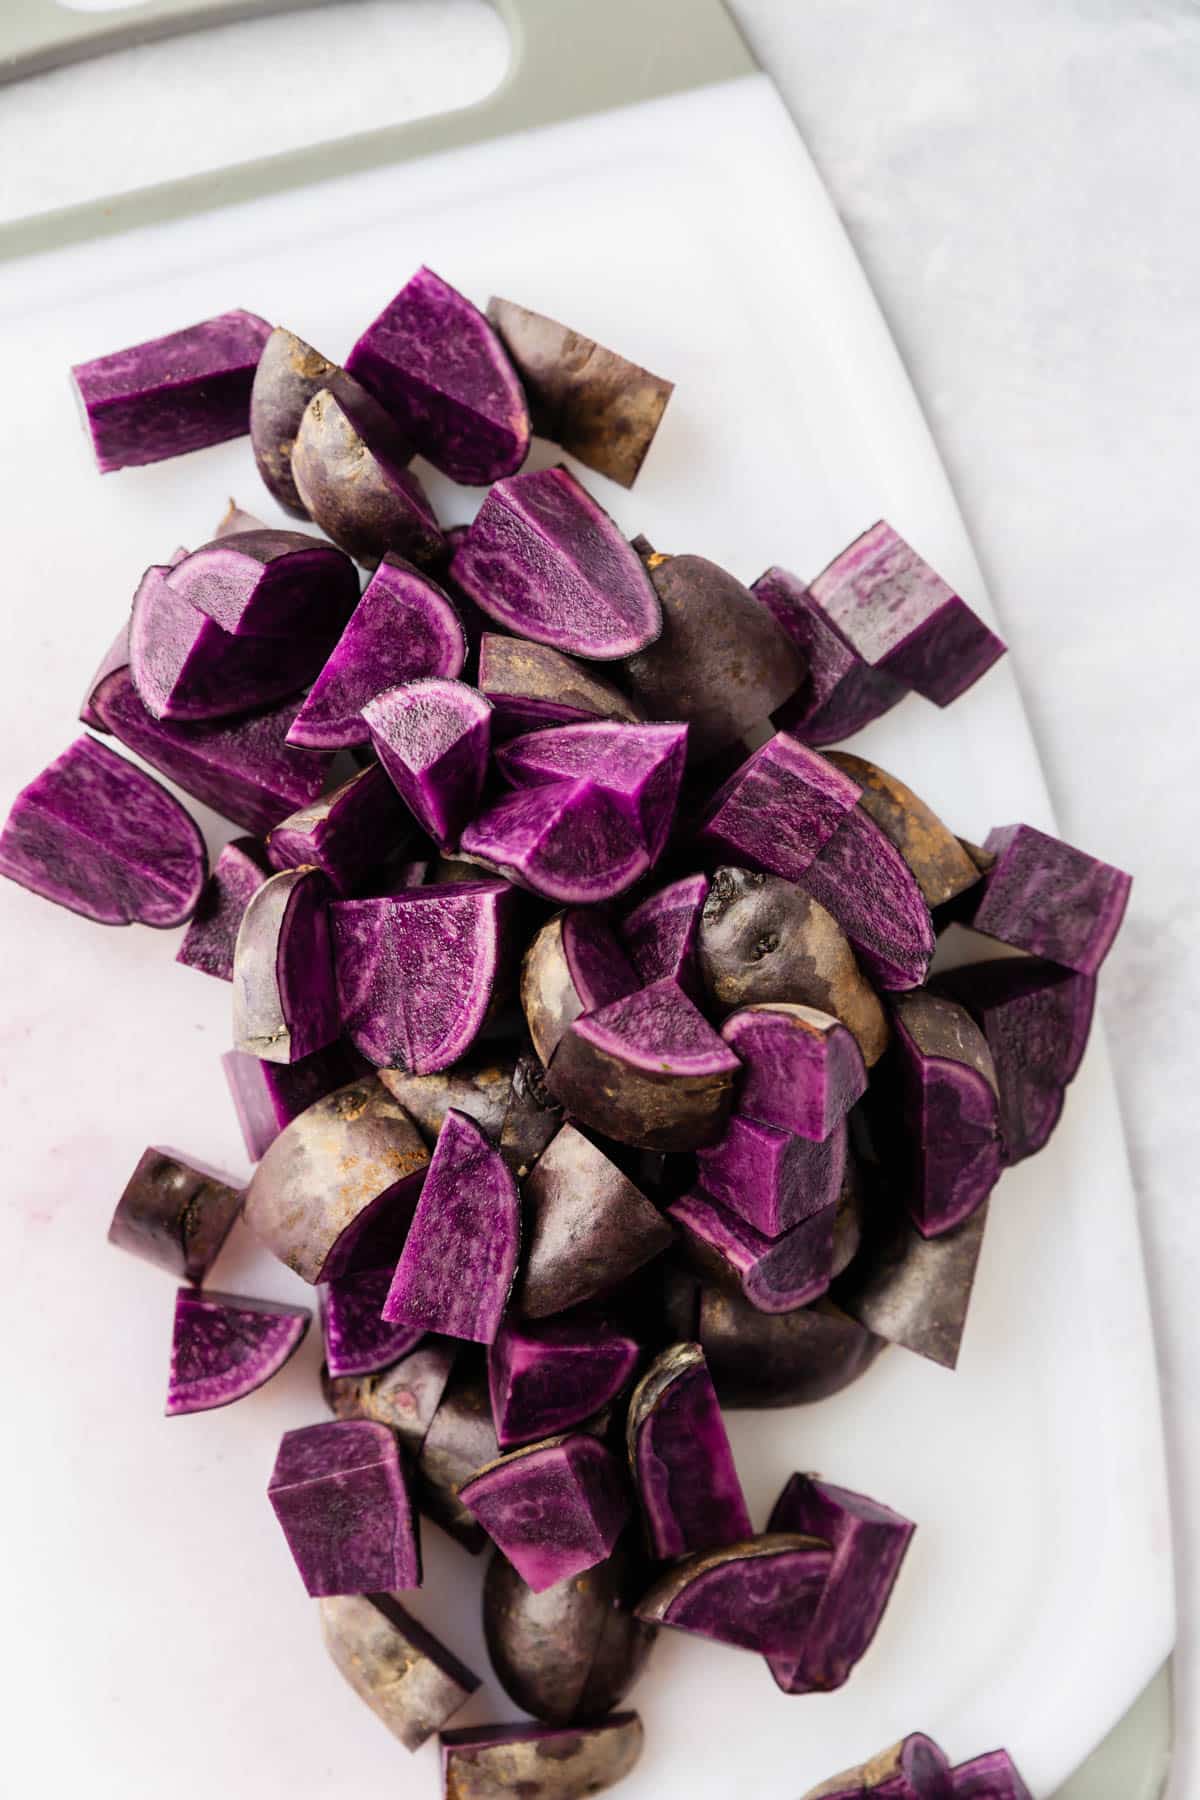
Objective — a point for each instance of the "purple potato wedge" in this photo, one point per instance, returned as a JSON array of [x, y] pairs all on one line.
[[531, 687], [115, 658], [761, 1594], [172, 394], [339, 1493], [943, 869], [765, 1360], [913, 1290], [569, 842], [358, 1341], [289, 374], [284, 1001], [238, 873], [174, 1214], [914, 1769], [662, 932], [639, 767], [993, 1776], [460, 1440], [554, 1509], [1044, 896], [864, 882], [841, 693], [433, 737], [543, 1379], [346, 833], [232, 520], [336, 1189], [777, 1275], [225, 1346], [460, 1255], [951, 1108], [778, 809], [680, 1459], [267, 1096], [405, 1397], [270, 584], [772, 1179], [547, 563], [573, 966], [539, 1762], [406, 1676], [99, 836], [803, 1068]]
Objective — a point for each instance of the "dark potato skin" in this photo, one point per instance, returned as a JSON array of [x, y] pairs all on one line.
[[539, 1762], [943, 867], [405, 1397], [289, 373], [174, 1215], [480, 1088], [913, 1290], [407, 1678], [361, 493], [461, 1439], [759, 1360]]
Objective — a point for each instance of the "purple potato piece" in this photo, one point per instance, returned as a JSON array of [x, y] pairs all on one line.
[[951, 1110], [267, 1096], [571, 1653], [238, 873], [573, 966], [358, 1341], [171, 394], [339, 1493], [460, 1255], [772, 1179], [284, 1001], [115, 658], [942, 867], [404, 1397], [403, 629], [271, 584], [174, 1214], [433, 737], [346, 833], [864, 882], [568, 841], [902, 618], [661, 934], [763, 940], [225, 1346], [587, 1227], [243, 768], [539, 1762], [760, 1595], [406, 1676], [764, 1360], [680, 1458], [532, 1118], [993, 1776], [289, 373], [481, 1088], [680, 1301], [646, 1070], [600, 408], [531, 687], [102, 838], [841, 693], [417, 971], [639, 767], [914, 1769], [441, 371], [1050, 899], [778, 809], [849, 1217], [546, 562], [460, 1440], [913, 1290], [545, 1378], [554, 1508], [803, 1068], [232, 520], [869, 1543], [776, 1275], [336, 1189]]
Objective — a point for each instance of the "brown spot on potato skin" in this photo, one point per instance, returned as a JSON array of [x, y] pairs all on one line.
[[943, 867]]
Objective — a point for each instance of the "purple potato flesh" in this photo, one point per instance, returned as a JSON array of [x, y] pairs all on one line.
[[545, 1378], [539, 1762], [284, 1001], [775, 1274], [460, 1440], [778, 809], [336, 1189], [460, 1255], [547, 563], [639, 767], [531, 687], [951, 1110], [225, 1346], [172, 394], [765, 1360], [760, 1595], [942, 867], [598, 407], [869, 1543], [770, 1178], [339, 1494], [433, 737], [238, 873], [441, 371], [902, 618], [267, 1096], [1050, 899], [357, 1340], [404, 1397], [554, 1509], [289, 373], [841, 693], [408, 1679], [803, 1068], [914, 1769], [403, 629], [646, 1070], [271, 584], [102, 838], [346, 833], [993, 1776], [417, 971], [115, 658], [864, 882], [661, 933], [568, 841], [680, 1458], [174, 1214], [574, 965], [913, 1290], [587, 1227]]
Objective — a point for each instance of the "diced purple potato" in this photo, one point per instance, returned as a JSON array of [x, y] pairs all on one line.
[[993, 1776], [545, 1378], [172, 394], [269, 583], [722, 664], [951, 1110], [404, 1397], [803, 1068], [647, 1070], [772, 1179], [460, 1256], [864, 882], [778, 1274], [225, 1346], [532, 1118], [267, 1096], [480, 1087], [571, 1653], [346, 833], [433, 737], [638, 766], [417, 971], [339, 1493], [1050, 899], [350, 466], [869, 1543], [680, 1458], [760, 1360], [403, 629], [357, 1340], [243, 768], [554, 1508], [532, 687], [436, 364], [596, 405], [406, 1676], [232, 520], [778, 809], [539, 1762], [546, 562], [587, 1227], [284, 1000], [569, 842], [335, 1191], [238, 873], [573, 966], [186, 667], [760, 1595], [913, 1769], [942, 866], [289, 373], [115, 658], [174, 1214], [460, 1440], [913, 1290], [902, 618], [99, 836], [762, 940], [661, 934], [841, 692]]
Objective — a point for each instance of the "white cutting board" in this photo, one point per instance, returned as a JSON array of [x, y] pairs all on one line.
[[158, 1638]]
